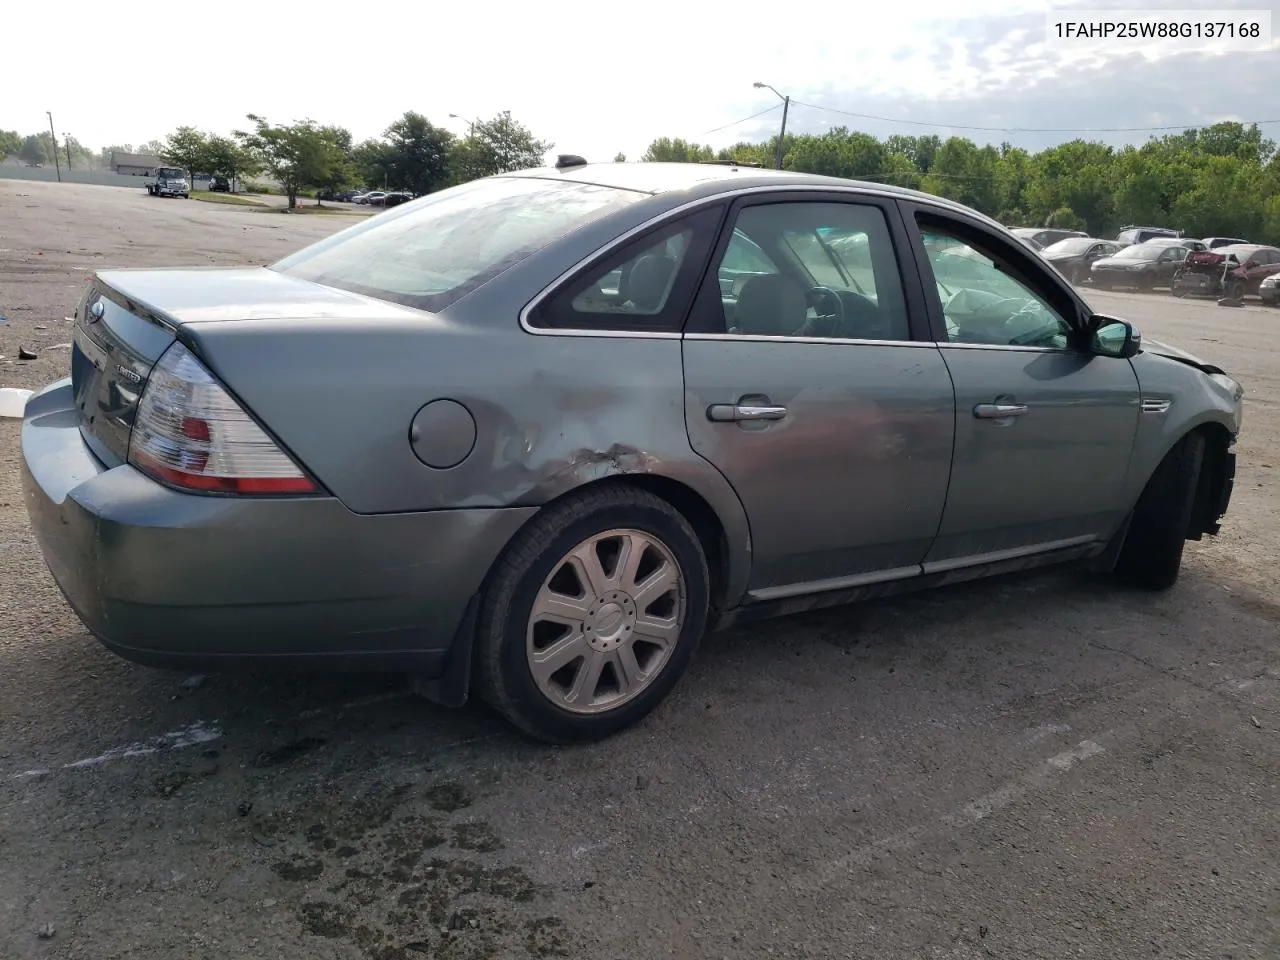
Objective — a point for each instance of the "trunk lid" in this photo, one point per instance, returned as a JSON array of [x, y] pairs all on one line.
[[114, 345], [129, 318]]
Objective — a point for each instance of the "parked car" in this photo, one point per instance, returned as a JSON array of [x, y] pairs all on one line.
[[1132, 235], [1234, 271], [1075, 255], [169, 182], [372, 197], [1269, 290], [1044, 236], [1183, 242], [531, 442], [393, 199], [220, 185], [1144, 265], [339, 196], [1212, 243]]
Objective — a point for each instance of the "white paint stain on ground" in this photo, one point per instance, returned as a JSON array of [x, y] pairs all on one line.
[[191, 736], [1036, 734], [201, 732]]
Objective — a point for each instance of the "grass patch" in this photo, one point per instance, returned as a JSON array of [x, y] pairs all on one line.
[[209, 196], [313, 210]]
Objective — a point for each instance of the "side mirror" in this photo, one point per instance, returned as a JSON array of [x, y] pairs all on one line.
[[1114, 338]]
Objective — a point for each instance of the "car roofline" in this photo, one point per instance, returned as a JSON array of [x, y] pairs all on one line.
[[706, 181]]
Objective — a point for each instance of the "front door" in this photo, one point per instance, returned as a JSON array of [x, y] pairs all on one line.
[[811, 384], [1044, 430]]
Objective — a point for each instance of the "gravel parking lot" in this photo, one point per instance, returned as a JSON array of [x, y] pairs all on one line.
[[1047, 766]]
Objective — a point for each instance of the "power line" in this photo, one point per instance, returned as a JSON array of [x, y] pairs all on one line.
[[743, 120], [962, 126]]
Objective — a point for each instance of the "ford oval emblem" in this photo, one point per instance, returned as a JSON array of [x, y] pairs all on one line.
[[96, 311]]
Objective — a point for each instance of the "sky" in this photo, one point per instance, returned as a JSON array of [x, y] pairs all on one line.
[[597, 80]]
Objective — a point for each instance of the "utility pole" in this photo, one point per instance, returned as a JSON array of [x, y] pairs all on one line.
[[66, 145], [54, 137], [782, 134]]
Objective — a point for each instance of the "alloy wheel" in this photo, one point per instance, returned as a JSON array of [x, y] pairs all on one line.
[[606, 621]]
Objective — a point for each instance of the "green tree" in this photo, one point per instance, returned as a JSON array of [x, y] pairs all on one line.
[[298, 155], [497, 146], [415, 155], [226, 158], [667, 150], [1064, 218], [10, 143], [36, 148], [187, 148], [619, 157], [372, 162]]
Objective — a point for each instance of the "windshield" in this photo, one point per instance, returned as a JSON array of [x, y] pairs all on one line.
[[1142, 251], [431, 253], [1070, 245], [170, 173]]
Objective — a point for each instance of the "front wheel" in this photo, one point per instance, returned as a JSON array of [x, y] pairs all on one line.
[[592, 615], [1152, 553]]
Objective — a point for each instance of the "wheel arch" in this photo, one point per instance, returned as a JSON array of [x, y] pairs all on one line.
[[1216, 472], [728, 567]]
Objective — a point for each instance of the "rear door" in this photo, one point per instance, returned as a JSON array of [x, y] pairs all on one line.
[[811, 384], [1044, 430], [1263, 263]]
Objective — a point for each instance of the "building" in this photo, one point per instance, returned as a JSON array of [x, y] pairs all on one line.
[[134, 164]]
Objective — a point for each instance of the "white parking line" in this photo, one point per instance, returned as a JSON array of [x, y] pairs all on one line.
[[973, 811]]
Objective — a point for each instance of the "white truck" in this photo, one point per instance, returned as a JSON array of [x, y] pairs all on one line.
[[169, 182]]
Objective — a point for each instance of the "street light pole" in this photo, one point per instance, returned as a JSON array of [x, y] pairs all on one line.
[[54, 137], [471, 124], [782, 134]]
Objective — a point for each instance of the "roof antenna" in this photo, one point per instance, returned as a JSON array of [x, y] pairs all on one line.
[[569, 160]]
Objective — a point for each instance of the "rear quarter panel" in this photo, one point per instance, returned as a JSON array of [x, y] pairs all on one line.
[[551, 412]]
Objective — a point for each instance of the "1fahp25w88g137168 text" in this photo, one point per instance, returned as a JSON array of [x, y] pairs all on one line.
[[1221, 29]]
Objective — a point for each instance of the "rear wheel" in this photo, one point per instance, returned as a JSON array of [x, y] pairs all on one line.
[[592, 615], [1152, 553]]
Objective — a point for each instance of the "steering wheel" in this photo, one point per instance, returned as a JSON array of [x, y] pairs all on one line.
[[830, 323]]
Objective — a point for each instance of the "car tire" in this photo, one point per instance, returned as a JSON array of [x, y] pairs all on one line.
[[543, 567], [1152, 553]]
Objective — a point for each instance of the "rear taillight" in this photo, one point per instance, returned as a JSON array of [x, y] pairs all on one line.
[[190, 433]]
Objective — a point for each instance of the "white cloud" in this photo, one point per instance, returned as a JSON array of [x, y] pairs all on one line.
[[594, 79]]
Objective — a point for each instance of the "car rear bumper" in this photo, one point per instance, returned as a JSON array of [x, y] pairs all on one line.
[[175, 579]]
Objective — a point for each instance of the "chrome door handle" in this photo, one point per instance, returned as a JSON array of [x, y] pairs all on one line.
[[999, 411], [737, 412]]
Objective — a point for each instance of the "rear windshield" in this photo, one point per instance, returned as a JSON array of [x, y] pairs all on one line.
[[1070, 245], [432, 252], [1143, 251]]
